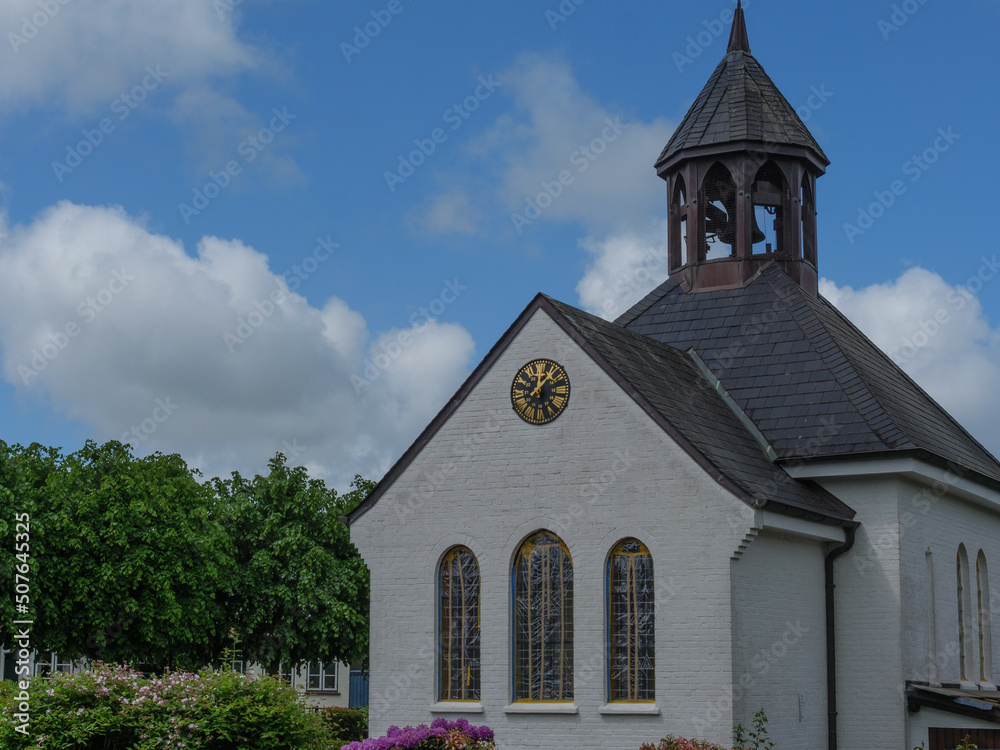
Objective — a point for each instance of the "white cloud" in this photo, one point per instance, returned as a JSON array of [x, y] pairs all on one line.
[[85, 53], [108, 58], [447, 213], [940, 336], [554, 129], [113, 318], [624, 268]]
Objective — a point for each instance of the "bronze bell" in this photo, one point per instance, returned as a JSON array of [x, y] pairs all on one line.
[[721, 222]]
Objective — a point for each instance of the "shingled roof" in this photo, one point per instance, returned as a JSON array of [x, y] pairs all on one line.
[[813, 384], [671, 382], [740, 104]]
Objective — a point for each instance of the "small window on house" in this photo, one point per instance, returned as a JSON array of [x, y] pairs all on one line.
[[458, 627], [543, 620], [985, 621], [631, 625], [769, 189], [43, 664], [61, 665], [49, 662], [322, 677], [285, 673]]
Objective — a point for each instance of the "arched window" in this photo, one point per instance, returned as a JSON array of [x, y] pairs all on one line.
[[679, 232], [458, 630], [543, 620], [769, 189], [964, 611], [631, 631], [719, 238], [985, 623]]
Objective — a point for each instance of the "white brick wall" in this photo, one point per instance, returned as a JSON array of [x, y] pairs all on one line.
[[883, 602], [939, 523], [868, 621], [601, 472], [779, 638]]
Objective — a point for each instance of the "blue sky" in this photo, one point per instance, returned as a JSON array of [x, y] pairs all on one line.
[[234, 228]]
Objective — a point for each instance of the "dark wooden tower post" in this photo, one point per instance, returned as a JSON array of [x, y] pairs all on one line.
[[741, 174]]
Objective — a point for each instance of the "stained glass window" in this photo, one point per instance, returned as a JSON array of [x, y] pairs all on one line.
[[631, 630], [459, 626], [543, 620]]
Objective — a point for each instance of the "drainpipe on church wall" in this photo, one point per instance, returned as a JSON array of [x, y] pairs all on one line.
[[831, 637]]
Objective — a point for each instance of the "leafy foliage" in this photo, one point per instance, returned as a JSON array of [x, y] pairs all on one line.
[[127, 557], [966, 744], [301, 588], [118, 709], [670, 742], [756, 737], [134, 560], [345, 724]]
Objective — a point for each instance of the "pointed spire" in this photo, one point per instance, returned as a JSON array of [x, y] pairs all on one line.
[[738, 39]]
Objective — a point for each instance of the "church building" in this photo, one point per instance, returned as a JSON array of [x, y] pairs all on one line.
[[726, 500]]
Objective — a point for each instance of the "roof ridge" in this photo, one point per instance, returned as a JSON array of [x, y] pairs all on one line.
[[687, 122], [796, 120], [796, 302]]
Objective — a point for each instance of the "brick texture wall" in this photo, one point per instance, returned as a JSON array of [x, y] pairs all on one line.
[[601, 472]]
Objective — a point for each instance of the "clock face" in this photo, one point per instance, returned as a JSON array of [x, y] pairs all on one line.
[[540, 391]]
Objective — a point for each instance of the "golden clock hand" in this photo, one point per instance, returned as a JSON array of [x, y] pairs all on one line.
[[538, 389]]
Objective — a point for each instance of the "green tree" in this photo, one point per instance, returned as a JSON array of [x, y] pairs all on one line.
[[129, 562], [302, 588], [24, 474]]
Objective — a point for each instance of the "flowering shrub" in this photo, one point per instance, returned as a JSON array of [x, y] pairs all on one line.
[[679, 743], [115, 708], [441, 735]]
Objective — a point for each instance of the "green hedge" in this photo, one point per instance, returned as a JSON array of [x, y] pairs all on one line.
[[344, 724], [118, 709]]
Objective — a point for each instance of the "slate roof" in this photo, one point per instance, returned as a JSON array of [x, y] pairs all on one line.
[[740, 103], [671, 382], [812, 383]]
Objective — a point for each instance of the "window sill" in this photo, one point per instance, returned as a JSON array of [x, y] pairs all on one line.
[[541, 708], [457, 707], [322, 692], [629, 709]]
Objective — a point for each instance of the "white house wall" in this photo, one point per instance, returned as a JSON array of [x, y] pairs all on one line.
[[601, 472], [886, 634], [870, 698], [779, 638], [937, 523]]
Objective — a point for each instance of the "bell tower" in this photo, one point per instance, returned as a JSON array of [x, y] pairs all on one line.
[[741, 174]]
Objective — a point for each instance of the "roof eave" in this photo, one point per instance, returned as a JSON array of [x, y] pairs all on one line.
[[816, 159]]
